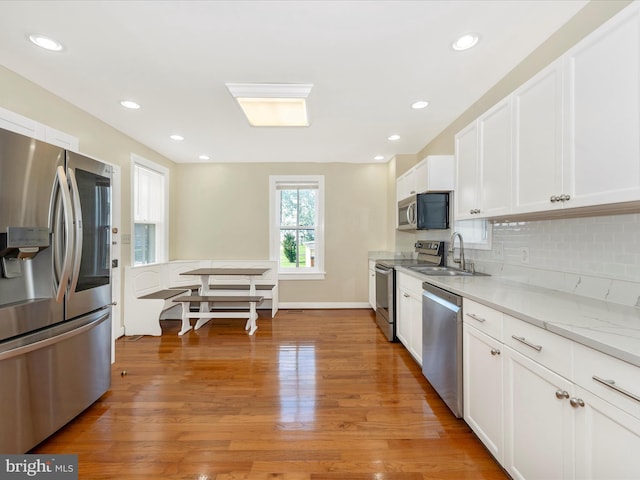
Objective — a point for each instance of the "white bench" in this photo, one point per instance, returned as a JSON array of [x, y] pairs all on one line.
[[142, 315], [207, 302]]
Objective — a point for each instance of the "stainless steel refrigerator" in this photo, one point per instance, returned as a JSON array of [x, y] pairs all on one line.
[[55, 288]]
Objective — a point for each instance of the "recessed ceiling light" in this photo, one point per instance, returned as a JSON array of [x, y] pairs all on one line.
[[378, 157], [419, 104], [130, 104], [204, 157], [465, 42], [46, 42], [273, 104], [177, 138], [393, 137]]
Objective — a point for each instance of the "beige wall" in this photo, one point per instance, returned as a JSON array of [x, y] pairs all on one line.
[[97, 139], [593, 15], [221, 211]]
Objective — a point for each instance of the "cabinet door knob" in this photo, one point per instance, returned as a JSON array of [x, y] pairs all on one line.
[[554, 199], [564, 198], [495, 351], [562, 394], [576, 402]]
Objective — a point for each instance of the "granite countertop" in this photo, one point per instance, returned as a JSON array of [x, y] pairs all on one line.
[[607, 327]]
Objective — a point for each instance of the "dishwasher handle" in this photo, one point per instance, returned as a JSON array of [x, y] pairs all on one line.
[[433, 292]]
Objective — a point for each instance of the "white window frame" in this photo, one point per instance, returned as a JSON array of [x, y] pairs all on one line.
[[162, 241], [477, 233], [302, 273]]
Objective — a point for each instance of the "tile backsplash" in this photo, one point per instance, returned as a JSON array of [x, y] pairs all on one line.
[[597, 257]]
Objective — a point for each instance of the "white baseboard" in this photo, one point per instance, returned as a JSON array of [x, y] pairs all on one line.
[[322, 305], [119, 332]]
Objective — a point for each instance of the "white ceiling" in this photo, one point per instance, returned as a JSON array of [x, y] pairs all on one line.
[[368, 62]]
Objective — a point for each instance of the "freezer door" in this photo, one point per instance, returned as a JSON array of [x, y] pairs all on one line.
[[51, 376], [90, 183], [29, 174]]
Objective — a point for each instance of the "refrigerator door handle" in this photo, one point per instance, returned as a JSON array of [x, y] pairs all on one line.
[[46, 342], [68, 230], [77, 214]]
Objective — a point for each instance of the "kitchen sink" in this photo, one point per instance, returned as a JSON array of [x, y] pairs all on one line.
[[445, 271]]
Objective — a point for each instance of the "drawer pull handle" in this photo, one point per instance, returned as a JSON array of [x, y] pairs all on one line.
[[528, 344], [495, 351], [562, 394], [612, 385], [475, 317]]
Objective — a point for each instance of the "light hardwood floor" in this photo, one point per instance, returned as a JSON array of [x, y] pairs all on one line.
[[313, 395]]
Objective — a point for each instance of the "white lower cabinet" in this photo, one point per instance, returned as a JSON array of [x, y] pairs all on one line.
[[409, 314], [607, 440], [538, 420], [483, 399], [372, 284], [547, 407]]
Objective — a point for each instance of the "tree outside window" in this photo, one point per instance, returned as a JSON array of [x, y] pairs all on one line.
[[297, 226], [296, 235]]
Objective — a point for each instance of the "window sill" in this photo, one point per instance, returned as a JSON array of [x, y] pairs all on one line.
[[301, 275]]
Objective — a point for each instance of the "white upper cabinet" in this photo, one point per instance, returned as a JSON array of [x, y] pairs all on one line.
[[602, 159], [405, 186], [434, 173], [495, 160], [537, 142], [571, 137], [483, 160], [467, 193], [25, 126]]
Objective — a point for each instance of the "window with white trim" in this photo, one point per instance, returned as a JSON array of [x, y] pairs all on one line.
[[149, 191], [476, 233], [297, 225]]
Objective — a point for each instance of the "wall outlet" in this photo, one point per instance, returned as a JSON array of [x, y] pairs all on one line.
[[524, 254]]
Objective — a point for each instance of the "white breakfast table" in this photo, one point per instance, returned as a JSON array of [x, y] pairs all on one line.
[[205, 313]]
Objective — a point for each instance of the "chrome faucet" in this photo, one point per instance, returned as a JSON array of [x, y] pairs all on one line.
[[460, 259]]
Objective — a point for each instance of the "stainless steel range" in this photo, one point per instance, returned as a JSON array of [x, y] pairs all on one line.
[[429, 253]]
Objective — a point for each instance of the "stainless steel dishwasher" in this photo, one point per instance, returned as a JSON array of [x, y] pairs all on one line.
[[442, 344]]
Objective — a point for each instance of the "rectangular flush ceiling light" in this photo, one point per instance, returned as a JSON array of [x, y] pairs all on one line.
[[273, 104]]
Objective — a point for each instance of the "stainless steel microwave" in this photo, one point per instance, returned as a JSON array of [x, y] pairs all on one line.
[[424, 211]]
